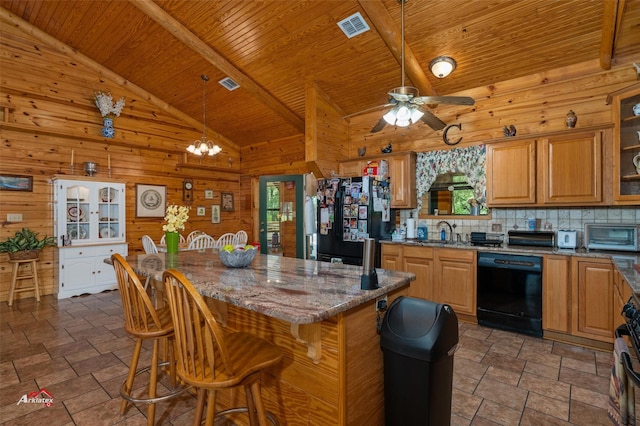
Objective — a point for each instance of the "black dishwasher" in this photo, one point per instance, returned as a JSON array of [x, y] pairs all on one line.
[[510, 292]]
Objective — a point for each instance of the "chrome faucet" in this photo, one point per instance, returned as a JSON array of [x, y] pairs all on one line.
[[449, 226]]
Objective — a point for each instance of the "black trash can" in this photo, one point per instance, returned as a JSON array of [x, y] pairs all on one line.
[[418, 339]]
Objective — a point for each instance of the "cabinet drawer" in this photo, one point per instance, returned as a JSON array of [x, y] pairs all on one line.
[[456, 254], [79, 252], [420, 252]]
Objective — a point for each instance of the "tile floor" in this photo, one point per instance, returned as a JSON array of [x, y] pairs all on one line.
[[78, 351]]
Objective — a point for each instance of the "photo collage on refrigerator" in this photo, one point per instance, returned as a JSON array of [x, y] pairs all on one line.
[[358, 199]]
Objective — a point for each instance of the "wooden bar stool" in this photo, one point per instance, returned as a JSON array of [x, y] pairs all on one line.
[[144, 321], [19, 274], [211, 360]]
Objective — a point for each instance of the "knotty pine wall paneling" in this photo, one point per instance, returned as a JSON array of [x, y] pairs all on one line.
[[533, 104], [52, 113]]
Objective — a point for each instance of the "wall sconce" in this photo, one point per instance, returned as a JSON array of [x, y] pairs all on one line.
[[442, 66]]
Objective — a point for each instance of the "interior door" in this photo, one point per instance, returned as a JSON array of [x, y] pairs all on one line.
[[281, 215]]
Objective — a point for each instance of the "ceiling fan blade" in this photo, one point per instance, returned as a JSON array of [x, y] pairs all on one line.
[[368, 110], [432, 121], [451, 100], [379, 126]]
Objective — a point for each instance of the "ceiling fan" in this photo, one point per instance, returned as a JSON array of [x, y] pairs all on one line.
[[407, 103]]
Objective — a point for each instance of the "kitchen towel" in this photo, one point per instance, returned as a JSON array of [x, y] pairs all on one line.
[[621, 409]]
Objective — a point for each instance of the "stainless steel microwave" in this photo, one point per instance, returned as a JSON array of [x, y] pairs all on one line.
[[619, 237]]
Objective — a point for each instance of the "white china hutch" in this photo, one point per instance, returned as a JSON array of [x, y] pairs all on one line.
[[89, 220]]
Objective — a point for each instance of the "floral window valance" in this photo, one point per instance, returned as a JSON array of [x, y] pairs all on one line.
[[470, 161]]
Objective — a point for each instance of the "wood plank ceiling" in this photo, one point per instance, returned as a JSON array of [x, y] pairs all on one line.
[[273, 48]]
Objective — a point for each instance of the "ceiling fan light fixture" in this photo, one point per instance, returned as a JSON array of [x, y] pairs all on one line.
[[390, 117], [416, 115], [204, 146], [442, 66]]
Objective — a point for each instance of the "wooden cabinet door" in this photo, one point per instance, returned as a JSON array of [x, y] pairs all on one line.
[[626, 145], [570, 169], [455, 279], [592, 306], [511, 173], [351, 168], [391, 257], [419, 261], [556, 293], [402, 171]]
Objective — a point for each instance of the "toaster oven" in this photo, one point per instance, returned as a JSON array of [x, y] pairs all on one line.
[[618, 237]]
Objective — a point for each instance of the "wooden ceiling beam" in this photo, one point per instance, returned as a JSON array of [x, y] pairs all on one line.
[[611, 20], [182, 33], [101, 70], [392, 36]]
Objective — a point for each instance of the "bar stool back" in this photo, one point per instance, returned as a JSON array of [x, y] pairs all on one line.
[[143, 321], [212, 360]]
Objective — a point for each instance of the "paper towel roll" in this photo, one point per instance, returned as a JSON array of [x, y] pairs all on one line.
[[411, 228]]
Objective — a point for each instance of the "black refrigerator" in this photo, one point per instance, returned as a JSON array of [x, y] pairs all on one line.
[[350, 210]]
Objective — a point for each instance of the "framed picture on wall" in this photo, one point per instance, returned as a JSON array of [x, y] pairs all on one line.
[[201, 211], [227, 201], [16, 183], [150, 200], [215, 213], [208, 194]]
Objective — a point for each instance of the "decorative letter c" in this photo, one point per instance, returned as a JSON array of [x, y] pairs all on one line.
[[444, 134]]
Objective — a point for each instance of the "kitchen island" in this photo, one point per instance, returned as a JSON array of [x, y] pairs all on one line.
[[332, 371]]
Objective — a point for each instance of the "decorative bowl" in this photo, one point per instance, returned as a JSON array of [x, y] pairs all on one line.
[[237, 258]]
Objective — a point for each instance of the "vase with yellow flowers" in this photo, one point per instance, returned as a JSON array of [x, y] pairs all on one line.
[[175, 217]]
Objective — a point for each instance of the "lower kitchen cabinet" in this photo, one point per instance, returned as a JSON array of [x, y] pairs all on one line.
[[391, 257], [556, 293], [454, 279], [82, 269], [592, 298], [419, 261], [621, 294]]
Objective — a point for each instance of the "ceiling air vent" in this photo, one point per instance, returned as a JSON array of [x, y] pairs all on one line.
[[353, 25], [229, 83]]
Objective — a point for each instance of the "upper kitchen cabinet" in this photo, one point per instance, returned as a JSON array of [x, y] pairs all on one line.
[[570, 168], [565, 168], [402, 175], [511, 173], [626, 145]]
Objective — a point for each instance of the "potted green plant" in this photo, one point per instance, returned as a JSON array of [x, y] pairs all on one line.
[[25, 244]]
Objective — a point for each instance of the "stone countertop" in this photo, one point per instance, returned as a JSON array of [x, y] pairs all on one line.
[[623, 261], [629, 268], [514, 249], [295, 290]]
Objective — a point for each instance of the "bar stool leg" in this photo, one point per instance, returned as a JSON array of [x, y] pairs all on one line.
[[36, 282], [132, 374], [14, 280]]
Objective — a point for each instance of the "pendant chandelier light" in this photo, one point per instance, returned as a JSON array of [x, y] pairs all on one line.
[[203, 146], [404, 113]]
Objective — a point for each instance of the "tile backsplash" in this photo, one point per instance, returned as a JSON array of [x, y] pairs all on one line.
[[547, 218]]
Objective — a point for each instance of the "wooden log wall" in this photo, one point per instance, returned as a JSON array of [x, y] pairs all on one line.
[[533, 104], [52, 113]]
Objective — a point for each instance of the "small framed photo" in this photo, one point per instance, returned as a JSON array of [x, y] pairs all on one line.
[[150, 200], [16, 183], [201, 211], [227, 201], [215, 213], [208, 194]]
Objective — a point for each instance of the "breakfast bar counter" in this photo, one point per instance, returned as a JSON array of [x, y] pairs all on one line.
[[332, 370]]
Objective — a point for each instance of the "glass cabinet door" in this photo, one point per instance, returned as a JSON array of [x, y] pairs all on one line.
[[109, 199], [78, 212]]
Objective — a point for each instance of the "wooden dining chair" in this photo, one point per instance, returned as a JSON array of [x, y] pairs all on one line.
[[228, 238], [202, 242], [241, 237], [212, 360], [182, 239], [143, 321], [149, 245]]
